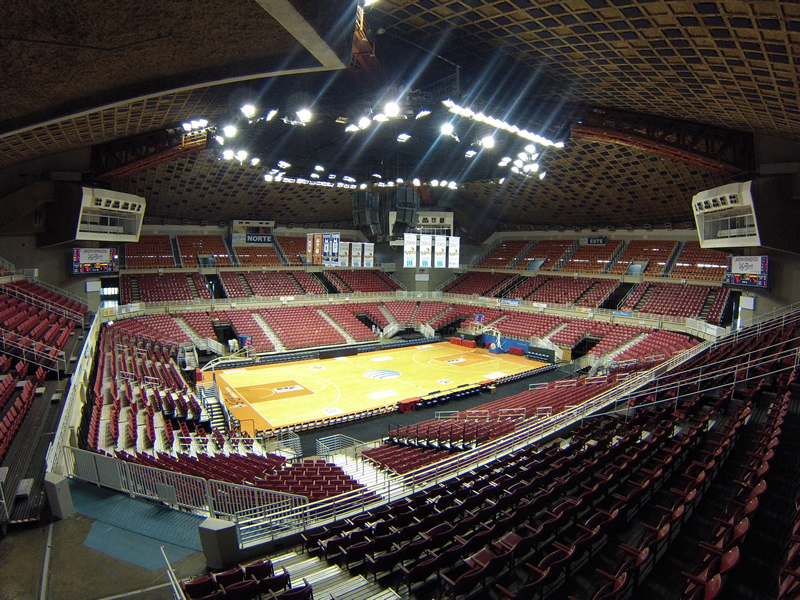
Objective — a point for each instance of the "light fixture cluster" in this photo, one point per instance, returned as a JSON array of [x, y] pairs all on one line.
[[526, 163], [468, 113], [195, 126], [391, 110]]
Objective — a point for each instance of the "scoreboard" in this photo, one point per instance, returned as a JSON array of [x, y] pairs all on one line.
[[89, 261], [748, 271]]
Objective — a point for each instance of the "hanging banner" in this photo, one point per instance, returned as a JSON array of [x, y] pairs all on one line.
[[425, 248], [344, 254], [335, 243], [309, 248], [410, 250], [317, 248], [326, 249], [355, 254], [440, 251], [453, 255], [369, 255]]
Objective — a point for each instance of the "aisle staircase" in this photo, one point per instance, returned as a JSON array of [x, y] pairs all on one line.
[[276, 341], [348, 338]]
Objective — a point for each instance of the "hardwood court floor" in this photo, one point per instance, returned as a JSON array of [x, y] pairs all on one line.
[[272, 396]]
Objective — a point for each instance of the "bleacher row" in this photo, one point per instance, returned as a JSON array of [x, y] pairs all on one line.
[[613, 256]]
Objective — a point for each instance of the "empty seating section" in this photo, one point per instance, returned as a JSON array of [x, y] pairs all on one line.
[[344, 316], [718, 307], [16, 411], [562, 290], [388, 280], [402, 459], [430, 310], [525, 325], [591, 258], [476, 283], [695, 262], [577, 330], [549, 251], [315, 479], [371, 310], [301, 327], [26, 324], [502, 256], [527, 286], [150, 252], [257, 256], [51, 300], [243, 323], [156, 327], [272, 284], [663, 344], [192, 247], [169, 287], [614, 338], [656, 253], [598, 293], [676, 299], [308, 282], [402, 310], [232, 284], [201, 286], [293, 248], [199, 322], [359, 281]]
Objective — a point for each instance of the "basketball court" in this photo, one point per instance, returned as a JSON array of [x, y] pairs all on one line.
[[273, 396]]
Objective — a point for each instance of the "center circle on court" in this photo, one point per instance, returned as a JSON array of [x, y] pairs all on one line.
[[382, 374]]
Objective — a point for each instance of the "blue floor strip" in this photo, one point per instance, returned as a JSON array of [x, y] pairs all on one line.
[[131, 547], [137, 516]]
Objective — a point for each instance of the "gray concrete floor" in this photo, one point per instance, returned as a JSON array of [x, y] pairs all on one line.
[[76, 572]]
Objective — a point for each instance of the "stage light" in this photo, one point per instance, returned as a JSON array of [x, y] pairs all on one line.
[[399, 180], [267, 177], [434, 183], [255, 160], [502, 179], [229, 131], [271, 114], [315, 176], [319, 168], [488, 142], [530, 148], [351, 128], [248, 110], [403, 137], [542, 174], [415, 182], [447, 129], [518, 163], [187, 126], [304, 115], [380, 117], [364, 122], [331, 176], [392, 109], [376, 175], [220, 140], [452, 185], [422, 113], [559, 144], [363, 186], [470, 153], [195, 124], [514, 170], [241, 154], [523, 156], [202, 122], [283, 164], [227, 154]]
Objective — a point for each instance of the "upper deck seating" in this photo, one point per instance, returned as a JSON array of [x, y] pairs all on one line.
[[502, 256], [150, 252], [193, 246], [695, 262], [590, 258], [655, 252]]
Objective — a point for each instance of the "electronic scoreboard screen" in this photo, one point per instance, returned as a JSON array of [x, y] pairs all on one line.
[[748, 271], [88, 261]]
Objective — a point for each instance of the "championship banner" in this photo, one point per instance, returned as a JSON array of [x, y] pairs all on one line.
[[326, 249], [453, 256], [317, 248], [344, 254], [410, 250], [425, 246], [440, 251], [335, 244], [369, 255], [309, 248], [355, 254]]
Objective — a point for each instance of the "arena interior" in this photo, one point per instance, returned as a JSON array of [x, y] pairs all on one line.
[[399, 299]]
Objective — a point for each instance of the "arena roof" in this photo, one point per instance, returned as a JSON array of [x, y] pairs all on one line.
[[654, 100]]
